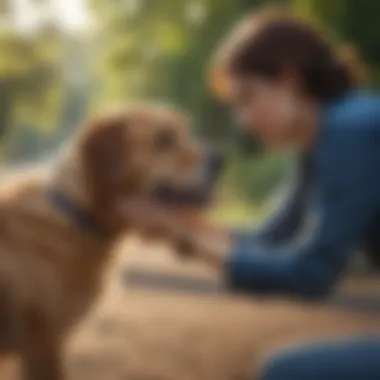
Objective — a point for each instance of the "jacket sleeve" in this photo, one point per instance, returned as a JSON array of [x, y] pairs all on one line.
[[344, 205]]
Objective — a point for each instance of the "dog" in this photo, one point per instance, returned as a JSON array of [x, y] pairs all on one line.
[[58, 226]]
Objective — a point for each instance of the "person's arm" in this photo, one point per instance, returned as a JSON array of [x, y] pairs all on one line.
[[345, 206], [286, 220]]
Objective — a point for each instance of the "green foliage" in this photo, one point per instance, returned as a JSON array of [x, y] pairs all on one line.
[[161, 49], [30, 78], [325, 12], [361, 27], [354, 21], [155, 49]]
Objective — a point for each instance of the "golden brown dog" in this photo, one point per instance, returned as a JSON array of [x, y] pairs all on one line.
[[57, 228]]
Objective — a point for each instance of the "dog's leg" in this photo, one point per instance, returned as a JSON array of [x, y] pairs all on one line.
[[8, 321], [40, 348]]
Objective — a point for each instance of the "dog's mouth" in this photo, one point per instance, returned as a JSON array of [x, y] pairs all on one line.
[[167, 194], [200, 193]]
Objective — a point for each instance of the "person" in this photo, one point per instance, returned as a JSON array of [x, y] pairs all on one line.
[[288, 86]]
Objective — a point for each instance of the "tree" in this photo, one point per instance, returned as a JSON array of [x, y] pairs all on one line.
[[162, 49], [326, 12], [30, 77]]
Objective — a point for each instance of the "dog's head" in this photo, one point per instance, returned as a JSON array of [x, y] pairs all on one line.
[[134, 151]]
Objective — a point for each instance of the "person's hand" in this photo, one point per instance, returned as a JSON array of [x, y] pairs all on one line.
[[189, 233], [209, 248]]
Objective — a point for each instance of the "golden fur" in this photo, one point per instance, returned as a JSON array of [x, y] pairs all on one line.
[[51, 269]]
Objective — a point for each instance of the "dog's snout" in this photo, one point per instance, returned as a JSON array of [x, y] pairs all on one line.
[[199, 191], [215, 164]]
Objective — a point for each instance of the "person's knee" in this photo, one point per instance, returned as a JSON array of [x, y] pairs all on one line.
[[356, 359], [286, 365]]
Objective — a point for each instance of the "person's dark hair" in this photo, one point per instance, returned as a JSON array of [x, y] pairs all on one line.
[[269, 42]]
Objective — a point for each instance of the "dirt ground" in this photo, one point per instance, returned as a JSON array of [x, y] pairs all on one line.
[[136, 334]]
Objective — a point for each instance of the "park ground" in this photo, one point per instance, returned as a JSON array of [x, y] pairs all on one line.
[[151, 334]]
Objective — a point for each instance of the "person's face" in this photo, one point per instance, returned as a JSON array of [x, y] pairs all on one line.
[[269, 109]]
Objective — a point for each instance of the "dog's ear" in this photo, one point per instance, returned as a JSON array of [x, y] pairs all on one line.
[[104, 149]]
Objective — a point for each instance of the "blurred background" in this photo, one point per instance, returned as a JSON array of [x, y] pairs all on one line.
[[61, 59]]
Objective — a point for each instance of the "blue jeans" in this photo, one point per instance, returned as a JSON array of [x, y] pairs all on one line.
[[355, 359]]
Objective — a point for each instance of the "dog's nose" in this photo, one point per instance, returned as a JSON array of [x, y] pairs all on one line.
[[215, 162], [246, 144], [200, 194]]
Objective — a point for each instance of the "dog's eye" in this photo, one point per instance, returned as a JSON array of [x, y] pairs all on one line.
[[164, 140]]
